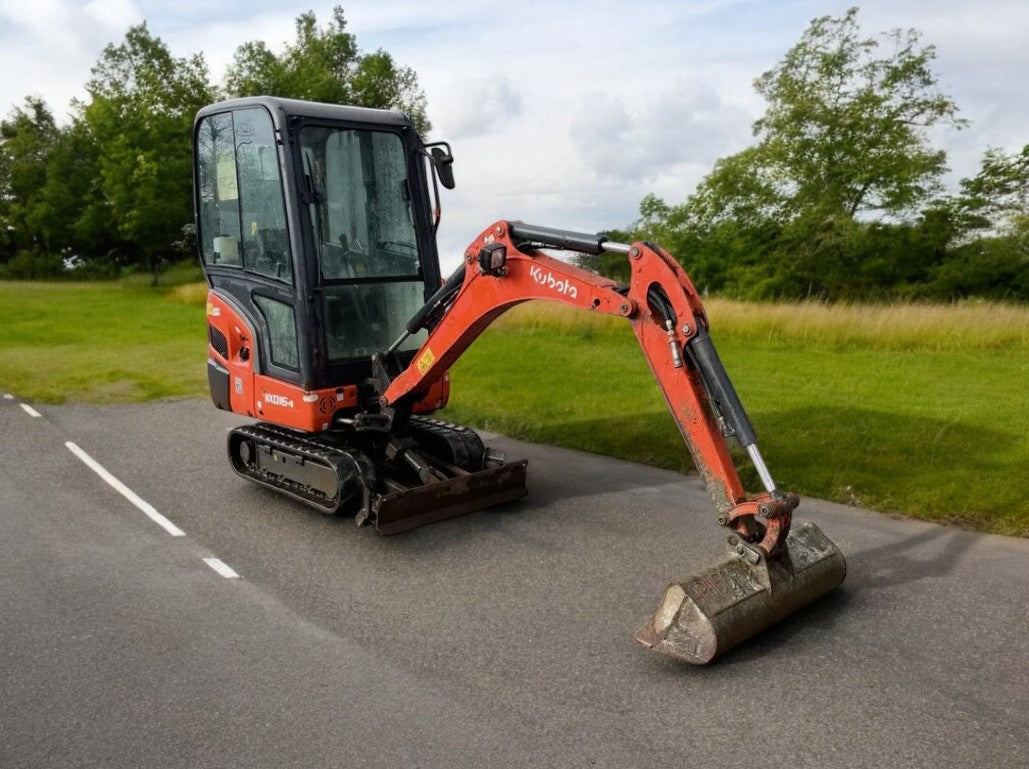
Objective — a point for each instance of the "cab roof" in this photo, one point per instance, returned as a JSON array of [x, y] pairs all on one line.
[[312, 109]]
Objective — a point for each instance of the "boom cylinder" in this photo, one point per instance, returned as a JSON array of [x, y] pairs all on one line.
[[417, 321]]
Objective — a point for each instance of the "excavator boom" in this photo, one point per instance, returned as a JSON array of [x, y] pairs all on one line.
[[771, 571]]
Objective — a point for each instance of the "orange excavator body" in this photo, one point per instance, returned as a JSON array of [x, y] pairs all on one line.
[[329, 323]]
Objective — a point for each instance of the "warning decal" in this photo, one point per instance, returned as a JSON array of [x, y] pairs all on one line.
[[425, 360]]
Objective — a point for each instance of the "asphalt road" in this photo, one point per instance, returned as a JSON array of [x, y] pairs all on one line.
[[498, 639]]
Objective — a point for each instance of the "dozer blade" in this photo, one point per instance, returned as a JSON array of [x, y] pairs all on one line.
[[464, 494], [708, 614]]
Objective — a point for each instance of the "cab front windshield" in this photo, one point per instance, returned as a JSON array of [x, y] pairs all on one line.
[[364, 235]]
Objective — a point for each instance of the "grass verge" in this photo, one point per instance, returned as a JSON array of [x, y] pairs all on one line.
[[912, 409], [99, 342], [921, 410]]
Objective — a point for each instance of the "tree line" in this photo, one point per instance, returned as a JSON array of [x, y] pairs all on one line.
[[841, 195], [113, 188]]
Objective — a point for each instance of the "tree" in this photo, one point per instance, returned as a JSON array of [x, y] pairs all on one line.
[[843, 142], [27, 138], [997, 198], [990, 231], [326, 65], [76, 218], [140, 113], [845, 129]]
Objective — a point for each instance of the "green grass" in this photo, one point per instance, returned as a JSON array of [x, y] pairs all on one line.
[[921, 410], [99, 342], [932, 422]]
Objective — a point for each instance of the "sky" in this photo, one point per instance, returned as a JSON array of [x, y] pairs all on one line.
[[562, 113]]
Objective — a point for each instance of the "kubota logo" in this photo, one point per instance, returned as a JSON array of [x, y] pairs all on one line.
[[547, 279], [278, 400]]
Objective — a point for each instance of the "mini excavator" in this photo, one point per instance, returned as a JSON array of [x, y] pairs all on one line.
[[330, 324]]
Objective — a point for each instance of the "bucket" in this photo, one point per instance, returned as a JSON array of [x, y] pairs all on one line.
[[708, 614]]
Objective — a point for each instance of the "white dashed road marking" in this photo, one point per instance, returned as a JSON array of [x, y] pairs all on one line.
[[220, 567], [125, 491]]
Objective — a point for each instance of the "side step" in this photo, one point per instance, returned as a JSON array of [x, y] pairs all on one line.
[[708, 614], [466, 493]]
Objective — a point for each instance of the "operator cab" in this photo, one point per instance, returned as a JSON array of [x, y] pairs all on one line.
[[315, 221]]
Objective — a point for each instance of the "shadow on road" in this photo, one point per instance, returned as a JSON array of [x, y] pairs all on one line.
[[928, 554]]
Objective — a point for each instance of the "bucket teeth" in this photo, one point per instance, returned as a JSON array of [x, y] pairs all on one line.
[[708, 614]]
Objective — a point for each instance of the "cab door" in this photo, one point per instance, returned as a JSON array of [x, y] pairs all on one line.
[[248, 253], [364, 220]]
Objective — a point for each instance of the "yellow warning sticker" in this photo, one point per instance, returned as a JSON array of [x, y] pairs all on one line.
[[425, 360]]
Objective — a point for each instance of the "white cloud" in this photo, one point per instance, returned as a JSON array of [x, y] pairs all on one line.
[[219, 36], [482, 106], [684, 123], [113, 14], [48, 47]]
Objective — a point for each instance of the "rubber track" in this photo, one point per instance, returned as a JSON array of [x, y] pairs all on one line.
[[465, 446], [354, 471]]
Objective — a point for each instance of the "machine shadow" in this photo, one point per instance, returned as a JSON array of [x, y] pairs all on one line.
[[647, 440], [929, 554]]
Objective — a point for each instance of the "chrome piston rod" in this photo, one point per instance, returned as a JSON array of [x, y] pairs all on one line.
[[762, 469]]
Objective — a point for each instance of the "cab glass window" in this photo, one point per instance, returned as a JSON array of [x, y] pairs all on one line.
[[218, 192], [361, 207], [364, 318], [365, 238], [242, 212], [282, 331]]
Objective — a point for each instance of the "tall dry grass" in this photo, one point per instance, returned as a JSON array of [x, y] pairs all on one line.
[[971, 325], [905, 326], [191, 293]]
